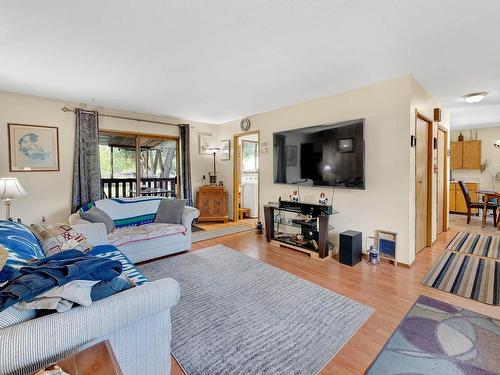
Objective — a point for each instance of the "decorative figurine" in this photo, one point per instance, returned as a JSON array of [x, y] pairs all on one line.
[[259, 227], [323, 200], [212, 176], [295, 197]]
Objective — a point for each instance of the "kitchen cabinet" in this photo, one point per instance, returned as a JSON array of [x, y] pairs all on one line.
[[457, 199], [465, 155]]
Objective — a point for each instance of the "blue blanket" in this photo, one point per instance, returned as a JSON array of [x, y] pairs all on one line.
[[56, 270]]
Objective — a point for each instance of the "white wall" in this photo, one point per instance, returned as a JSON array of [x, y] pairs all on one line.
[[387, 203], [384, 204], [49, 193], [487, 136], [389, 111]]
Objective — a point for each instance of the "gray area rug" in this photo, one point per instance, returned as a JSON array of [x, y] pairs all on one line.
[[214, 233], [238, 315]]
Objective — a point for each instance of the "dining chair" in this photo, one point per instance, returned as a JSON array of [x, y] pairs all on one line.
[[471, 205]]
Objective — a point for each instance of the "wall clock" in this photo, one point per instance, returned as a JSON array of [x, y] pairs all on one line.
[[245, 124]]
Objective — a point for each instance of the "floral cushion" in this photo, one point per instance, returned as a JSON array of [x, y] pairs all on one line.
[[22, 248], [59, 237]]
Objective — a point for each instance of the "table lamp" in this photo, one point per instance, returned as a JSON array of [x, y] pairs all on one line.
[[213, 175], [10, 188]]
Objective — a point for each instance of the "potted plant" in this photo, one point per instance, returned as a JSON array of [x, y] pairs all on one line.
[[494, 175]]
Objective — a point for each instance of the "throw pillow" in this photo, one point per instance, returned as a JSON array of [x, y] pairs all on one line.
[[12, 316], [4, 255], [59, 237], [96, 215], [22, 248], [170, 211]]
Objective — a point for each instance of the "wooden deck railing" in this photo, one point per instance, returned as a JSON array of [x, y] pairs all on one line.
[[126, 187]]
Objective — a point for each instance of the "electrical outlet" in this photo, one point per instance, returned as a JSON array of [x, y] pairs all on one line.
[[43, 219]]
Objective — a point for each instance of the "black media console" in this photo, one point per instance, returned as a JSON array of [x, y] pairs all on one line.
[[300, 226]]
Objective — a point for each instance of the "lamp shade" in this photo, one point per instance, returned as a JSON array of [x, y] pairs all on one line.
[[11, 188]]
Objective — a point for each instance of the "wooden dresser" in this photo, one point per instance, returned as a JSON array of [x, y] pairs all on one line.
[[212, 203], [457, 200]]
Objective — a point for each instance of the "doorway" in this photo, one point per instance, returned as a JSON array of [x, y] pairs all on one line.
[[441, 180], [423, 182], [246, 177]]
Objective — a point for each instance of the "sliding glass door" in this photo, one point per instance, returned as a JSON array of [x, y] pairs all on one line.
[[138, 165], [158, 165]]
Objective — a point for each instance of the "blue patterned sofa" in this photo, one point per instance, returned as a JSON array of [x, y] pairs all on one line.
[[135, 321]]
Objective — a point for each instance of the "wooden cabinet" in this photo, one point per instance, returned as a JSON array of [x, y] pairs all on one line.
[[212, 203], [465, 155], [457, 199], [471, 158], [456, 149]]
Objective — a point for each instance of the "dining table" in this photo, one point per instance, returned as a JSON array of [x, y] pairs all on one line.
[[488, 195]]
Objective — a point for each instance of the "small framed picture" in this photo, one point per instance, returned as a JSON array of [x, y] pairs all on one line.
[[205, 143], [33, 148], [291, 156], [225, 150], [386, 242], [345, 145]]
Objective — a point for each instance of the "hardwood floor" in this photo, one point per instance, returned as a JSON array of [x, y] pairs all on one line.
[[390, 290], [218, 225]]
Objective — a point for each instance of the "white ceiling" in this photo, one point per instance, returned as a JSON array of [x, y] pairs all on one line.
[[214, 61]]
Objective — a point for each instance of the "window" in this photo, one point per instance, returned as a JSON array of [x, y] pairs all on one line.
[[250, 156], [131, 160], [158, 158]]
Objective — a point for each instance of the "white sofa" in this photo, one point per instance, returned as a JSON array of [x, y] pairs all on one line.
[[144, 241], [135, 321]]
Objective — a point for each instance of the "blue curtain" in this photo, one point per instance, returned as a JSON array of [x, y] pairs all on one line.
[[187, 189], [86, 165]]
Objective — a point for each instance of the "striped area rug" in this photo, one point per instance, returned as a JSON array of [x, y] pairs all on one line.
[[466, 276], [476, 244]]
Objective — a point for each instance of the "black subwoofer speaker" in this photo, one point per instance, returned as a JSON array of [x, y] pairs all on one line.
[[350, 247]]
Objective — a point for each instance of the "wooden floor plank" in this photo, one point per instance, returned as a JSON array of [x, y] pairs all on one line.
[[390, 290]]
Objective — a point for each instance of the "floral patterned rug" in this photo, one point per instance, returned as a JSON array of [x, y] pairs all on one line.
[[439, 338]]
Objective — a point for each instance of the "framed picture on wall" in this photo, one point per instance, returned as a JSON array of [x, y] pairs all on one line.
[[225, 150], [33, 148], [387, 243], [291, 156], [205, 143]]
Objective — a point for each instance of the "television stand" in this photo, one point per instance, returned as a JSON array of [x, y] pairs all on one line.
[[299, 226]]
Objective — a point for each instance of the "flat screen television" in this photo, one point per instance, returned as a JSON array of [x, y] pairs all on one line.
[[323, 155]]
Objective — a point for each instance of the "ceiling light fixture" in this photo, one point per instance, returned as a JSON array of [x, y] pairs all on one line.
[[475, 97]]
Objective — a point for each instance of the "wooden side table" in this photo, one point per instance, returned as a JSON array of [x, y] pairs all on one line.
[[98, 359]]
